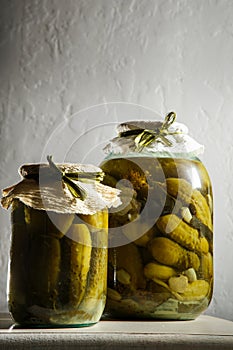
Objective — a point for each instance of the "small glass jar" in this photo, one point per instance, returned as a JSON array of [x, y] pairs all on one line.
[[58, 260], [160, 263], [56, 277]]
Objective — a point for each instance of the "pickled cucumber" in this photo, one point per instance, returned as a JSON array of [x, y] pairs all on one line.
[[44, 261], [182, 233], [80, 246], [128, 257], [18, 291], [167, 252]]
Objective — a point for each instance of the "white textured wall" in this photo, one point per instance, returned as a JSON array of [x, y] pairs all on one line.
[[57, 57]]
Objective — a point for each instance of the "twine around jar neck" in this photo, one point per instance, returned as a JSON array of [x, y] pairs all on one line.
[[144, 137], [67, 177]]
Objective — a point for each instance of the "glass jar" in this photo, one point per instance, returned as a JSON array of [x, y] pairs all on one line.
[[160, 263], [56, 277], [58, 260]]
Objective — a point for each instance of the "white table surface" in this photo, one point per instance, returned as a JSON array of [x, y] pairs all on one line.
[[203, 333]]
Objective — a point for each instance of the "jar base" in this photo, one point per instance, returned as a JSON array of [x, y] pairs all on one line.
[[46, 326], [169, 310]]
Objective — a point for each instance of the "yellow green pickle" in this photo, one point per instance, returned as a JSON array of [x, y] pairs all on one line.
[[44, 262], [18, 263], [80, 246]]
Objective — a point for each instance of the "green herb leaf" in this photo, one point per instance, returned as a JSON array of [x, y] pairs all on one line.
[[76, 190], [144, 137]]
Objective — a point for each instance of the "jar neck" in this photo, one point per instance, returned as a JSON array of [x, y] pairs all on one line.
[[152, 155]]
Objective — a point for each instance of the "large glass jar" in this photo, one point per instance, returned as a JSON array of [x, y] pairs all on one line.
[[58, 258], [160, 263]]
